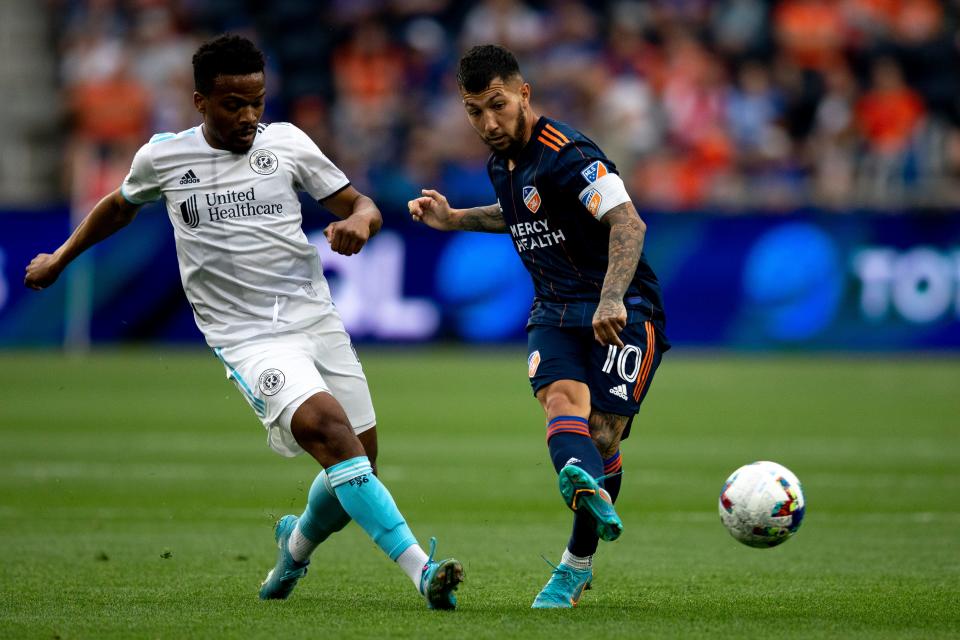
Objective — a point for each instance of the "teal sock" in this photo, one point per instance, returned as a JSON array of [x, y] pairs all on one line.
[[324, 515], [368, 502]]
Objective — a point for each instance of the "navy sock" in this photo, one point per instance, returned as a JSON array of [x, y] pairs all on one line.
[[583, 539], [569, 442], [614, 465]]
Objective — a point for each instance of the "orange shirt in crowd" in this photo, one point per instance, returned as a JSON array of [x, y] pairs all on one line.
[[368, 77], [810, 31], [889, 118], [113, 110]]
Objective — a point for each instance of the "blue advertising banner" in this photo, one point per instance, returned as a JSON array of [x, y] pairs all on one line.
[[822, 281], [805, 281]]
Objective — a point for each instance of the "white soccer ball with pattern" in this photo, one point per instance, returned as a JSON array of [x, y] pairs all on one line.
[[761, 504]]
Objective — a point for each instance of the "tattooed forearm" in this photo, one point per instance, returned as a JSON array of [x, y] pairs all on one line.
[[487, 219], [626, 242]]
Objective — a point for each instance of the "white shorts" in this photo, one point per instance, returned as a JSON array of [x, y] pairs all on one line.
[[277, 373]]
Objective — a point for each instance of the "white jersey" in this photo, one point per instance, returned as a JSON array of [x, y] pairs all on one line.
[[246, 266]]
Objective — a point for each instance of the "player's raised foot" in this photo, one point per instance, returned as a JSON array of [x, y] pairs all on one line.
[[440, 579], [564, 588], [284, 576], [581, 491]]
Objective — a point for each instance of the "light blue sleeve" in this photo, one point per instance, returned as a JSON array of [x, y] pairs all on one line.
[[141, 185]]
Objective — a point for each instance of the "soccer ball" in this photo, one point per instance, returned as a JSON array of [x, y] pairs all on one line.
[[761, 504]]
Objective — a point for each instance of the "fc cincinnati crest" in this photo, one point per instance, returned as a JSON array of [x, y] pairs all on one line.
[[263, 162], [591, 200], [271, 381], [533, 361], [595, 171], [531, 198]]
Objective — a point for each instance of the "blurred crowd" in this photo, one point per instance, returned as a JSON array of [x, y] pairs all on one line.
[[733, 105]]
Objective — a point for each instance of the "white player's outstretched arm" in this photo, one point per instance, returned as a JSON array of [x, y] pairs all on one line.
[[433, 210], [360, 221], [111, 214]]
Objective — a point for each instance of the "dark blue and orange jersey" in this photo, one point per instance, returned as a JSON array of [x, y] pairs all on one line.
[[548, 205]]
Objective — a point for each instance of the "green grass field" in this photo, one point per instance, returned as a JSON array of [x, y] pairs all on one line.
[[138, 497]]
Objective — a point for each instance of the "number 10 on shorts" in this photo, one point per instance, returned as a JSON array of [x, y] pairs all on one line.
[[627, 360]]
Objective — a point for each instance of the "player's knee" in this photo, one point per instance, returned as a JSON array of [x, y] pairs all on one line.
[[563, 406], [320, 420], [557, 405], [561, 399]]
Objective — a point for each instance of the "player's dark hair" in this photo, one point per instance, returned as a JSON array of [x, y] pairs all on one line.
[[227, 55], [480, 65]]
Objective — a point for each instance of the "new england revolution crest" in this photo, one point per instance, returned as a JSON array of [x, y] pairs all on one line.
[[271, 381], [263, 161]]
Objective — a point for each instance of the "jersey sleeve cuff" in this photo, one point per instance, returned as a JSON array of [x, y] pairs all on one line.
[[130, 199], [334, 192]]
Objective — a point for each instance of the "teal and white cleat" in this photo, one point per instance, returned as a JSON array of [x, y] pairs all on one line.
[[564, 589], [440, 579], [579, 489], [284, 576]]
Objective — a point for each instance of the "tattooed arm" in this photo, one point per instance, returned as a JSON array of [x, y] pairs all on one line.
[[433, 210], [626, 242], [486, 218]]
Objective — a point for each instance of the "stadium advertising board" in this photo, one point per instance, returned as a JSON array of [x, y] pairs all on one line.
[[870, 282]]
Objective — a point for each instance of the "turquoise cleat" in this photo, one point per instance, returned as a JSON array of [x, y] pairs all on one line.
[[579, 489], [284, 576], [564, 589], [440, 579]]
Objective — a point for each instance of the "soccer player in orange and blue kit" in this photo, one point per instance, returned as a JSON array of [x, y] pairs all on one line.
[[596, 329]]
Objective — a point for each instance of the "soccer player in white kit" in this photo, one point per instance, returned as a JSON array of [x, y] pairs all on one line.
[[259, 297]]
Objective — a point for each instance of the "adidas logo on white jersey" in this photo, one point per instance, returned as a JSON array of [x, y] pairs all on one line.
[[620, 391], [189, 178]]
